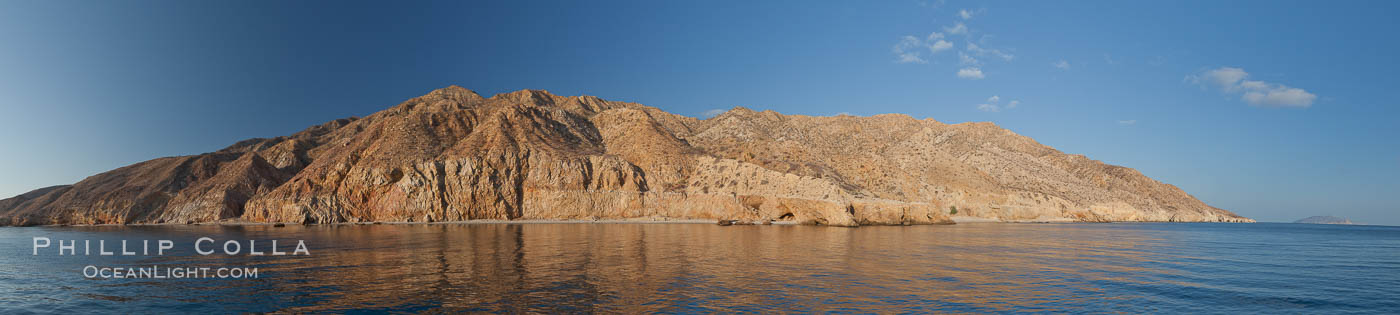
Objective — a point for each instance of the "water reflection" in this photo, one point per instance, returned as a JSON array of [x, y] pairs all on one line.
[[630, 268]]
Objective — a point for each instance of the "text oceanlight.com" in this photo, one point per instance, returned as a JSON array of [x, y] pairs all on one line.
[[158, 272]]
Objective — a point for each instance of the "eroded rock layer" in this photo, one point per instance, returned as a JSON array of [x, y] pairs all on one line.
[[452, 155]]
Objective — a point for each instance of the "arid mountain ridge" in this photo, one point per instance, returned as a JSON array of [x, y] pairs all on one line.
[[453, 155]]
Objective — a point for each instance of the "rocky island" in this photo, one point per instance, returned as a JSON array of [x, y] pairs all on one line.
[[453, 155], [1324, 219]]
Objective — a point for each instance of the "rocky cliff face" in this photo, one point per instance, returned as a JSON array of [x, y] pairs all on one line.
[[452, 155]]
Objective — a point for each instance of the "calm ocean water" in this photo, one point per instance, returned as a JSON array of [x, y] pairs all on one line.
[[1121, 267]]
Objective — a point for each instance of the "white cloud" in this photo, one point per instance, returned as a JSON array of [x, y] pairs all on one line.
[[1254, 85], [971, 73], [956, 29], [1109, 59], [906, 51], [1257, 93], [984, 52], [1227, 78], [1062, 64], [712, 113], [1127, 122], [910, 58], [940, 45], [1280, 96], [970, 58], [965, 59], [993, 104]]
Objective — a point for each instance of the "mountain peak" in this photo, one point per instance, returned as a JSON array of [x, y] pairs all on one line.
[[453, 90], [736, 110], [538, 97]]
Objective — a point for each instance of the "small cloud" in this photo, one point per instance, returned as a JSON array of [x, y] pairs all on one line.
[[907, 50], [712, 113], [1127, 122], [960, 28], [1226, 78], [1280, 96], [940, 45], [974, 48], [1257, 93], [910, 58], [965, 14], [1109, 59], [1062, 64], [993, 104], [967, 60], [971, 73]]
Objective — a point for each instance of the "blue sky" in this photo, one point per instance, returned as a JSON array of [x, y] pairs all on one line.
[[1275, 110]]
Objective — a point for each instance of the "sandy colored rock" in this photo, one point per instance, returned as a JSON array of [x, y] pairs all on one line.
[[452, 155]]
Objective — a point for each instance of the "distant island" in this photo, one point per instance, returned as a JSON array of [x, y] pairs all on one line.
[[453, 155], [1323, 219]]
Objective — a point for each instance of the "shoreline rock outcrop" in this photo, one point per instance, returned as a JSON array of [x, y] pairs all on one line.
[[453, 155]]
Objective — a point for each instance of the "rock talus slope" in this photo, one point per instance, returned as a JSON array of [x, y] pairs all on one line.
[[453, 155]]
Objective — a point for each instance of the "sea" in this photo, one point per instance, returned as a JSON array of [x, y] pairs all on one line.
[[1194, 268]]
